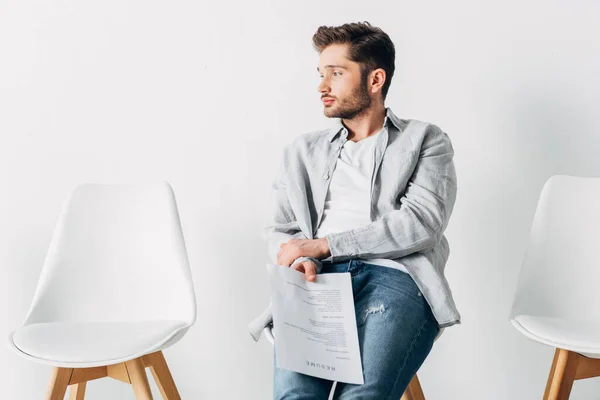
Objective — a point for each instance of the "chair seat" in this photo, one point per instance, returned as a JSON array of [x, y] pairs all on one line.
[[89, 344], [575, 335]]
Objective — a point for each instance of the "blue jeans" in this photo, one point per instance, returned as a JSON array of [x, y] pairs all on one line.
[[396, 330]]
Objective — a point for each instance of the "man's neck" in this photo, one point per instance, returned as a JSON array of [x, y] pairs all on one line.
[[367, 123]]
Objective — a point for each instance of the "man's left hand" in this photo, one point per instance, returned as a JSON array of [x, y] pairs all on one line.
[[315, 248]]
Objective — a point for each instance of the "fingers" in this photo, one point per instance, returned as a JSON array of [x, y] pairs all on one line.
[[298, 266], [310, 271], [309, 268]]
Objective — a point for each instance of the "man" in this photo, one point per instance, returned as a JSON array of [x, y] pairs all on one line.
[[371, 196]]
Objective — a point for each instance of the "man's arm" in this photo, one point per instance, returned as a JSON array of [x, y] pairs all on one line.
[[281, 225], [425, 209]]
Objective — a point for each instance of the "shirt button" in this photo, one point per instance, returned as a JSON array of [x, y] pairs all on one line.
[[326, 176]]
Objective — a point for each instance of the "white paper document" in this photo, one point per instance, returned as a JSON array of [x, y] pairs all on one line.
[[315, 325]]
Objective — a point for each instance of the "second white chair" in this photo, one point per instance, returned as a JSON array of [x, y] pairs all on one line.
[[557, 301]]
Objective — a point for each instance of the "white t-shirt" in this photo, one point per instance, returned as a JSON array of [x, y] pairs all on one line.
[[348, 200]]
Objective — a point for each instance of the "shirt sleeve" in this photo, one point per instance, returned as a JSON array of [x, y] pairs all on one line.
[[420, 221], [281, 224]]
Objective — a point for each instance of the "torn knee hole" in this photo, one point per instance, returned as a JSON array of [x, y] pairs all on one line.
[[373, 310]]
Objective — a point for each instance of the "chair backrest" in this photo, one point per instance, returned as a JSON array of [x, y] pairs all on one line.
[[560, 274], [117, 254]]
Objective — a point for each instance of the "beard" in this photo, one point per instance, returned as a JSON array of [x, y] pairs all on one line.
[[353, 105]]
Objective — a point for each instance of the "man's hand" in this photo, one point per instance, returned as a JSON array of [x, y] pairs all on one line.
[[315, 248], [308, 268]]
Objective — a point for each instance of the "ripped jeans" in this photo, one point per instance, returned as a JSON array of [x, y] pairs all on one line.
[[396, 331]]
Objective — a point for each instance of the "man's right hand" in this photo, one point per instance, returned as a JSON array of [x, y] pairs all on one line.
[[308, 268]]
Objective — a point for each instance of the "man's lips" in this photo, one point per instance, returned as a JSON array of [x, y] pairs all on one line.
[[328, 100]]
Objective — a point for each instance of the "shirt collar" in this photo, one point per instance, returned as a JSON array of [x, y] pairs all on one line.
[[389, 117]]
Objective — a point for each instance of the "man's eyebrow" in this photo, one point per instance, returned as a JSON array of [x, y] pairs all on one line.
[[332, 66]]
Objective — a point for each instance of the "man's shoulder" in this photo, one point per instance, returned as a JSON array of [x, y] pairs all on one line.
[[424, 135], [309, 140], [420, 126], [421, 132]]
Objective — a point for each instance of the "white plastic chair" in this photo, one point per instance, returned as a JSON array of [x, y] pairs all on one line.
[[557, 301], [412, 392], [114, 291]]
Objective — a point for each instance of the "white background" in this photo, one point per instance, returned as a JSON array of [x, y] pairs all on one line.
[[206, 94]]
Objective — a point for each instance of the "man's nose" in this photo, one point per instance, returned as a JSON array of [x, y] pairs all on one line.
[[323, 85]]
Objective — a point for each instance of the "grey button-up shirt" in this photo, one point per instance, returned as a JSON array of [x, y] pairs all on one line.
[[413, 190]]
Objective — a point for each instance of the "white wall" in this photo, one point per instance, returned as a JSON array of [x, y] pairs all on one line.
[[205, 95]]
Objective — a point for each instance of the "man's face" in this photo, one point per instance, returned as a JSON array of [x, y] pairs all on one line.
[[341, 81]]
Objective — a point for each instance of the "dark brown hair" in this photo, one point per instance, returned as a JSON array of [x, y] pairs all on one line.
[[369, 46]]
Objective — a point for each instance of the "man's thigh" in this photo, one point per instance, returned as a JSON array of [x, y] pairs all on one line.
[[396, 331], [290, 385]]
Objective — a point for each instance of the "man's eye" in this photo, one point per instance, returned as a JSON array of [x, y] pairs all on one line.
[[334, 73]]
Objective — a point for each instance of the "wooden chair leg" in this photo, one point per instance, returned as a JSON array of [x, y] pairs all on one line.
[[139, 379], [132, 372], [562, 375], [162, 375], [78, 391], [58, 383], [414, 390]]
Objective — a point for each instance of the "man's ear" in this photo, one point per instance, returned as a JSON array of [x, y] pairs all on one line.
[[377, 80]]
